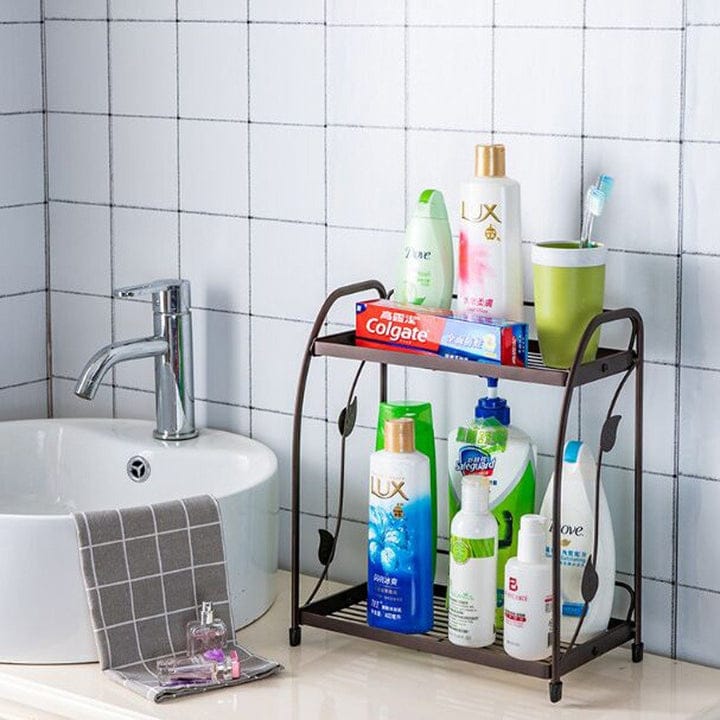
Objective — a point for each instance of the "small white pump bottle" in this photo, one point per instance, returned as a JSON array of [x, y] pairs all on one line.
[[472, 591], [528, 594]]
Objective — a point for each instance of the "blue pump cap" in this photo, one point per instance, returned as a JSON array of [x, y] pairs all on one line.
[[572, 450], [493, 407]]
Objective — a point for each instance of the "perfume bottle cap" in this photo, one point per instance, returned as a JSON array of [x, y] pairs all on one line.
[[490, 161], [400, 435], [207, 613]]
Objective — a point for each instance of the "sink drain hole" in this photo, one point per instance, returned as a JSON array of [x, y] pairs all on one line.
[[138, 468]]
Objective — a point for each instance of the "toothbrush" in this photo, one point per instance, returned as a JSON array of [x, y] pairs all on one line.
[[595, 200]]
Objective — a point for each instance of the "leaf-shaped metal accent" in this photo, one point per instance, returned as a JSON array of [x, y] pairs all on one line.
[[609, 433], [590, 581], [326, 549], [347, 417]]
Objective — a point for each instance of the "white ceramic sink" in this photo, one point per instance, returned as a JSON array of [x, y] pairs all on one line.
[[51, 468]]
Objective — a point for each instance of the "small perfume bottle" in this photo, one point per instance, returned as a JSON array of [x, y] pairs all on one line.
[[208, 633], [197, 670]]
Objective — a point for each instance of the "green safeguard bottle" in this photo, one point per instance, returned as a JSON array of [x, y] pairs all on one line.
[[491, 447], [421, 413]]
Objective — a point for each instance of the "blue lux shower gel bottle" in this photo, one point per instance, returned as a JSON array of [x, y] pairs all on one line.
[[400, 545]]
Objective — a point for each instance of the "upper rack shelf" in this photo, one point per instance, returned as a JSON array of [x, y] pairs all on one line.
[[608, 362]]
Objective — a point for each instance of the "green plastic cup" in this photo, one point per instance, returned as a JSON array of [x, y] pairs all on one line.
[[569, 290]]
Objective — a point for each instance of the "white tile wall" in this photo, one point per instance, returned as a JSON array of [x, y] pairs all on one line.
[[272, 158]]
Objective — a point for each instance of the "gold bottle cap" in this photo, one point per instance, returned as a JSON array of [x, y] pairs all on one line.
[[490, 161], [400, 435]]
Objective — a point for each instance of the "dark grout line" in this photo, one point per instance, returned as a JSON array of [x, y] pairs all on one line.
[[24, 383], [21, 293]]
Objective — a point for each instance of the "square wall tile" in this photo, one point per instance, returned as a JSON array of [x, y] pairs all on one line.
[[301, 11], [222, 356], [547, 212], [22, 249], [647, 283], [309, 526], [275, 430], [283, 253], [365, 178], [142, 10], [702, 94], [81, 9], [24, 402], [22, 356], [697, 637], [646, 176], [644, 104], [134, 319], [616, 13], [365, 12], [278, 347], [78, 158], [217, 10], [698, 559], [657, 521], [658, 418], [213, 167], [657, 615], [67, 404], [143, 68], [77, 66], [440, 61], [441, 160], [287, 86], [449, 12], [548, 12], [145, 162], [699, 399], [213, 70], [21, 79], [370, 92], [21, 158], [80, 327], [80, 248], [287, 173], [703, 11], [357, 255], [699, 214], [145, 245], [214, 258], [358, 448], [538, 80], [14, 11], [134, 404], [699, 290], [222, 417]]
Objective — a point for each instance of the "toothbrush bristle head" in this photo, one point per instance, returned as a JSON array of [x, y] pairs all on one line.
[[605, 185]]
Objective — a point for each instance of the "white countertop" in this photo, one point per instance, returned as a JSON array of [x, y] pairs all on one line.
[[335, 676]]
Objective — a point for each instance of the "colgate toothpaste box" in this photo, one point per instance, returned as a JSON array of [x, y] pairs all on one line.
[[388, 325]]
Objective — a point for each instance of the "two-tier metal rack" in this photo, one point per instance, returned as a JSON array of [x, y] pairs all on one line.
[[345, 611]]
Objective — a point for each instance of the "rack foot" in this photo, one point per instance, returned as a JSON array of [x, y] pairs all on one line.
[[555, 691], [637, 652], [295, 636]]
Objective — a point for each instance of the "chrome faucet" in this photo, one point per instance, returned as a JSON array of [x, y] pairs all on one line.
[[171, 346]]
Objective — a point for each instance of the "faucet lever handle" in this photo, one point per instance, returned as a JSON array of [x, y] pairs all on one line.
[[170, 295]]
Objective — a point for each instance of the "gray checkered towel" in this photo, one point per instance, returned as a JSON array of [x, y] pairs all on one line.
[[147, 570]]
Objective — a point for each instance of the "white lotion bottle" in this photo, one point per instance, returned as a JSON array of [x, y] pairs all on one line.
[[490, 276], [577, 529], [472, 591], [425, 275], [527, 630]]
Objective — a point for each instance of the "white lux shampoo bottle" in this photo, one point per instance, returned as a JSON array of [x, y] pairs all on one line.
[[577, 529], [528, 594], [473, 568], [490, 281]]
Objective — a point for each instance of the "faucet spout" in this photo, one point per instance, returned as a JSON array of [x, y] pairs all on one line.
[[98, 365]]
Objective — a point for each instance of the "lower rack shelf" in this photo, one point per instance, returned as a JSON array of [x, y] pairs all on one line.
[[345, 612]]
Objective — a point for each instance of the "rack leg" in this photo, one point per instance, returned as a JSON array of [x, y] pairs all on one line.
[[638, 650], [295, 634], [556, 691]]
